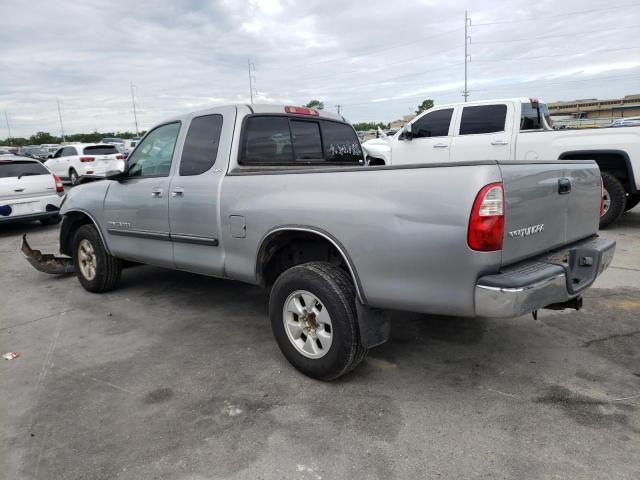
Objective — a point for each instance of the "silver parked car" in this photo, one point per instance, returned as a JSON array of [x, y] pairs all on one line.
[[281, 197]]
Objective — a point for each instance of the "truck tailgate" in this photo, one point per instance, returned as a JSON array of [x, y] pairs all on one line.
[[548, 204]]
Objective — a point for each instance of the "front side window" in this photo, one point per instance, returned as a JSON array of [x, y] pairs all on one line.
[[483, 119], [201, 145], [307, 143], [434, 124], [153, 156]]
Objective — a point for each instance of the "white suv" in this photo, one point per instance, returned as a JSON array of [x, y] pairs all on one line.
[[73, 161]]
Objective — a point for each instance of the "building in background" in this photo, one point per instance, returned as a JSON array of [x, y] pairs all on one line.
[[628, 106], [398, 124]]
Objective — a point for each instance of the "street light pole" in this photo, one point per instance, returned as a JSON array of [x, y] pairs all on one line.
[[6, 117], [60, 117], [133, 102]]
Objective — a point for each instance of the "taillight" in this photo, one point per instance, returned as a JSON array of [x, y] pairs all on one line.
[[87, 159], [302, 111], [119, 157], [486, 223], [535, 103], [59, 187], [601, 197]]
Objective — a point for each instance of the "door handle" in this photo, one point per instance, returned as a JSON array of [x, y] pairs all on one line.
[[564, 186], [499, 142], [156, 192], [177, 192], [440, 145]]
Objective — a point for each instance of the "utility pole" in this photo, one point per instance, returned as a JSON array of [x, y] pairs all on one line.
[[252, 78], [60, 117], [6, 117], [338, 107], [133, 102], [467, 57]]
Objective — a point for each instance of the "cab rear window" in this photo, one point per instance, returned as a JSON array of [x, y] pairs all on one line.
[[283, 140], [100, 150], [21, 169]]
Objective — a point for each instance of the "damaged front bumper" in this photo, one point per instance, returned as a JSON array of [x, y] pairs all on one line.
[[46, 262]]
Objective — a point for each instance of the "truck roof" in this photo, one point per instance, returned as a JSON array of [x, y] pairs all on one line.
[[264, 108], [491, 100]]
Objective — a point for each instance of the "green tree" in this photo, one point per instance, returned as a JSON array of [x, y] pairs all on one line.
[[364, 126], [315, 104], [43, 137], [425, 105]]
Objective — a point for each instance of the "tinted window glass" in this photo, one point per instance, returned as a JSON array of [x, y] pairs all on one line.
[[267, 140], [530, 118], [153, 156], [341, 143], [434, 124], [69, 152], [15, 169], [483, 119], [201, 145], [307, 144], [101, 150]]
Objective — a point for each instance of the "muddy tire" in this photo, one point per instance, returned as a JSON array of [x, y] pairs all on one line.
[[615, 199], [96, 270], [312, 308]]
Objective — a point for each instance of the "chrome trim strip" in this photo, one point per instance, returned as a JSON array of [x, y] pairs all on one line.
[[195, 239], [140, 234]]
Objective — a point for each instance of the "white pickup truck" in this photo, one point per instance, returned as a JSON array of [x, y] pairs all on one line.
[[516, 129]]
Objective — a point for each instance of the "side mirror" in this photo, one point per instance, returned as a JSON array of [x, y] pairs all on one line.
[[407, 133]]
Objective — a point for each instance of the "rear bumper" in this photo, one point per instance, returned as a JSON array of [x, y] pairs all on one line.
[[29, 217], [554, 278]]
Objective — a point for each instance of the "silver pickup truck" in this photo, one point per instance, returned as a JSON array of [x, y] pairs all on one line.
[[281, 197]]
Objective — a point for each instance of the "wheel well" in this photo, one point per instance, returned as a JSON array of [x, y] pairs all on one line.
[[615, 163], [71, 222], [285, 249]]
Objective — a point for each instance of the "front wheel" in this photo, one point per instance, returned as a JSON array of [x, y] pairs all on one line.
[[313, 318], [614, 199], [96, 270]]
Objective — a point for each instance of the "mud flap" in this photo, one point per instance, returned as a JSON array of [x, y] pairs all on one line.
[[46, 262], [374, 325]]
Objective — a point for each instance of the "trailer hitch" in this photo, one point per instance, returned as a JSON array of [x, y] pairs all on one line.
[[46, 262]]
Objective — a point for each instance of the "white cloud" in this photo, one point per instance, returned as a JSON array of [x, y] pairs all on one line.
[[376, 59]]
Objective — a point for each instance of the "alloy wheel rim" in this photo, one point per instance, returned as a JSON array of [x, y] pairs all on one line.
[[87, 259], [308, 324], [606, 201]]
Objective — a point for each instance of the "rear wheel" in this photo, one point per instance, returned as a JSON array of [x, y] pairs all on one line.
[[614, 199], [96, 270], [313, 317], [73, 177]]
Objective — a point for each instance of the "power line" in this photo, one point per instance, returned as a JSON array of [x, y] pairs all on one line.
[[579, 12], [574, 34], [556, 56]]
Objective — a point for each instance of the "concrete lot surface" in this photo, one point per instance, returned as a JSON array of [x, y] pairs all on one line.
[[177, 376]]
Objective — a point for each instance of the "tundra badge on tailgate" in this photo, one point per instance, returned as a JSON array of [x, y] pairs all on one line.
[[526, 231]]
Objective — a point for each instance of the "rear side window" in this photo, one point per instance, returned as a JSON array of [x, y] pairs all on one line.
[[341, 144], [307, 143], [17, 169], [530, 118], [201, 145], [100, 150], [69, 152], [279, 140], [483, 119]]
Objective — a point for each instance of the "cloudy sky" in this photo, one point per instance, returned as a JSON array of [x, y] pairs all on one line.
[[378, 59]]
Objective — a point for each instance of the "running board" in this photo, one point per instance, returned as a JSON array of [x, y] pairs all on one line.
[[47, 262]]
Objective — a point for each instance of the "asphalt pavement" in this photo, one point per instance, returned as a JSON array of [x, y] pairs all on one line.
[[177, 376]]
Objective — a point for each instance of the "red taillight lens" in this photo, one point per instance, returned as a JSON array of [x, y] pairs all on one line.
[[486, 223], [302, 111], [601, 198], [119, 157], [59, 187], [87, 159]]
